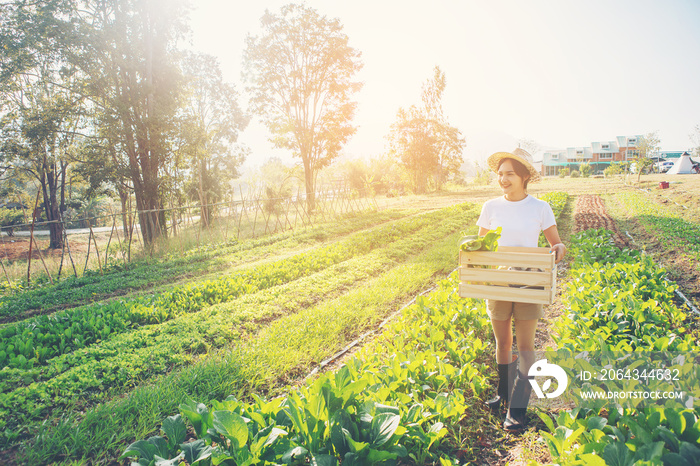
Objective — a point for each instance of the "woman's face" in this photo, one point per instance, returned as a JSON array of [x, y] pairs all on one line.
[[511, 183]]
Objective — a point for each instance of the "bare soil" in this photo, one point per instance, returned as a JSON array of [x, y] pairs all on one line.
[[16, 248]]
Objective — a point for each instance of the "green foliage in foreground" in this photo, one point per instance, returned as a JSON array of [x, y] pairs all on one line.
[[119, 279], [392, 401], [621, 298], [620, 302], [35, 341], [286, 346]]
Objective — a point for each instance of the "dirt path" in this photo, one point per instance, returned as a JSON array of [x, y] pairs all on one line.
[[590, 213]]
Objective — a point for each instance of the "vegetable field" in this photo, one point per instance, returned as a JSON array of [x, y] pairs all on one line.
[[203, 358]]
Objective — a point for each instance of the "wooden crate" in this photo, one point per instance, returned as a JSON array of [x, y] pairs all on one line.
[[495, 282]]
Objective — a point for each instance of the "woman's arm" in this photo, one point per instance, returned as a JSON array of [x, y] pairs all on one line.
[[483, 231], [552, 235]]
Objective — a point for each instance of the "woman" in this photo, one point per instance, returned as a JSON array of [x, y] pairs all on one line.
[[522, 218]]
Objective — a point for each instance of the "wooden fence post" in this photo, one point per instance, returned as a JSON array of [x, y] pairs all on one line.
[[92, 235], [66, 244], [31, 239]]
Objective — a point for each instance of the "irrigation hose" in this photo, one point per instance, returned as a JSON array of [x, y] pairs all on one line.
[[359, 340]]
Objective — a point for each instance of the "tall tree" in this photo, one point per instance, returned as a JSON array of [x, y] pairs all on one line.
[[131, 61], [123, 52], [301, 70], [695, 139], [422, 138], [210, 121], [41, 119], [647, 147]]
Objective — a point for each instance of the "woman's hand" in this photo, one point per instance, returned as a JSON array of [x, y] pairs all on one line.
[[559, 251]]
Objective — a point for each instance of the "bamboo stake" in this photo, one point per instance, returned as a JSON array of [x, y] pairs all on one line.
[[87, 257], [65, 242], [99, 262], [240, 219], [31, 238], [255, 221], [286, 215], [246, 212], [38, 249], [228, 221], [119, 240], [1, 261], [114, 222], [131, 233], [41, 256]]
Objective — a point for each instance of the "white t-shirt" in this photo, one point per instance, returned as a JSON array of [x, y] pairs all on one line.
[[521, 221]]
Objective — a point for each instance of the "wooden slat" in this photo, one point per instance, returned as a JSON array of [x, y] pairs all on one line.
[[525, 250], [505, 277], [491, 283], [512, 259], [504, 293]]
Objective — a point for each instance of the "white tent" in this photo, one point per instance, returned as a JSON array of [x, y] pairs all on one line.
[[683, 165]]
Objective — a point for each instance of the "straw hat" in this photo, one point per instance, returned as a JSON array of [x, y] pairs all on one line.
[[518, 154]]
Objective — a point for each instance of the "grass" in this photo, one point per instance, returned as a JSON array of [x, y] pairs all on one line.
[[128, 357], [145, 275], [285, 348]]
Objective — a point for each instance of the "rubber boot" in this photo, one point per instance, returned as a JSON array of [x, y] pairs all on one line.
[[516, 418], [506, 378]]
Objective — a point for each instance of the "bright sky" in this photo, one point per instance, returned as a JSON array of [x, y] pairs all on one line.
[[561, 72]]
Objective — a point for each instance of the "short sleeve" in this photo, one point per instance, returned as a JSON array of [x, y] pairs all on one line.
[[484, 220], [548, 219]]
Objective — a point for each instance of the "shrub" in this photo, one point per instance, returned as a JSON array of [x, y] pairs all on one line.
[[9, 218], [564, 172], [585, 170], [575, 174]]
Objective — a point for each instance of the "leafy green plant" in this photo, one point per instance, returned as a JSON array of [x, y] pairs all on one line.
[[372, 410], [488, 242], [620, 301]]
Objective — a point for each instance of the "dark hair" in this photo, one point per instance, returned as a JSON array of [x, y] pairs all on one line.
[[520, 170]]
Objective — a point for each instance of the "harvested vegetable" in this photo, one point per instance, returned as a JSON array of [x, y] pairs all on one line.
[[489, 242]]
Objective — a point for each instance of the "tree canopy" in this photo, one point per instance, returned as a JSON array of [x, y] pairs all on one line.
[[102, 81], [647, 146], [301, 74], [429, 148]]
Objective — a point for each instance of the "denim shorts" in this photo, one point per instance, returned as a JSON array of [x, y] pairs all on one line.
[[504, 310]]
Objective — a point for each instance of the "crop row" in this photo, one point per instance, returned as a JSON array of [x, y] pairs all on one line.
[[397, 399], [34, 341], [96, 372], [299, 340], [417, 372], [259, 305], [666, 221], [621, 298], [621, 310], [557, 200], [120, 279]]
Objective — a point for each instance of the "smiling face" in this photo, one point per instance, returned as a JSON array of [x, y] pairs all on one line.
[[512, 183]]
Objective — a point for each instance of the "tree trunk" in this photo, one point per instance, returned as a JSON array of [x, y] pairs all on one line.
[[123, 199], [49, 185], [310, 188], [203, 196]]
